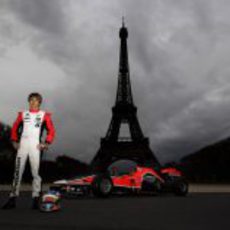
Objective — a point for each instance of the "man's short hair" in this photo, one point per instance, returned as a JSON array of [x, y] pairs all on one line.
[[37, 95]]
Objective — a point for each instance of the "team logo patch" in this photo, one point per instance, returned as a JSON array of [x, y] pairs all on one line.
[[27, 117], [38, 122]]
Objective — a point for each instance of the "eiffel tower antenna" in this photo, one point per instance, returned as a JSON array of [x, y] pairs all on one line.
[[113, 147], [123, 21]]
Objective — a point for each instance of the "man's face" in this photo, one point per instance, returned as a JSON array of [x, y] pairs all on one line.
[[34, 103]]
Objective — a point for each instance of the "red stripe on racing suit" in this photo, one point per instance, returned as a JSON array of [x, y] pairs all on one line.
[[49, 127], [14, 131]]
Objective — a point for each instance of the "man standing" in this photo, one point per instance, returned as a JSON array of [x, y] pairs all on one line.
[[26, 138]]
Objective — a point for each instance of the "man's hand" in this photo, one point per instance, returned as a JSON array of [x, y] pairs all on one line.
[[15, 145], [43, 146]]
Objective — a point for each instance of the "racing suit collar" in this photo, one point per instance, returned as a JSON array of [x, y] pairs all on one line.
[[34, 110]]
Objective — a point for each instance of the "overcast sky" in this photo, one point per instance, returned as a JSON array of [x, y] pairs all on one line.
[[179, 54]]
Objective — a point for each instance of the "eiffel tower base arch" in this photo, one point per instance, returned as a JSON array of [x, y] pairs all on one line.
[[110, 152]]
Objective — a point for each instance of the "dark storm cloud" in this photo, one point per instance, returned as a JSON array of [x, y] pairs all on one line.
[[47, 16], [75, 48], [177, 47], [178, 52]]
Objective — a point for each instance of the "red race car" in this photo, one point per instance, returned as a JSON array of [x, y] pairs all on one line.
[[125, 177]]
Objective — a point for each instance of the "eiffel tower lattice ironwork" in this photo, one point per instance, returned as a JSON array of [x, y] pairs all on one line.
[[136, 147]]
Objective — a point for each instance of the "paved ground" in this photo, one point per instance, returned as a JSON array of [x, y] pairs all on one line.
[[193, 188], [198, 211]]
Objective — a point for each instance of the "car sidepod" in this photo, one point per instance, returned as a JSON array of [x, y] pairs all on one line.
[[150, 183]]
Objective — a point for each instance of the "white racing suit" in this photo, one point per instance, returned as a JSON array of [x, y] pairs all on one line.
[[30, 124]]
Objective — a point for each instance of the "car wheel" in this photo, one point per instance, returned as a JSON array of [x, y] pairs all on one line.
[[102, 186], [181, 188]]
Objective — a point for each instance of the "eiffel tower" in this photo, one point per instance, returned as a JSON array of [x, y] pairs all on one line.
[[113, 147]]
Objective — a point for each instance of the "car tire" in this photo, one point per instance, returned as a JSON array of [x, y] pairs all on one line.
[[181, 188], [102, 186]]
